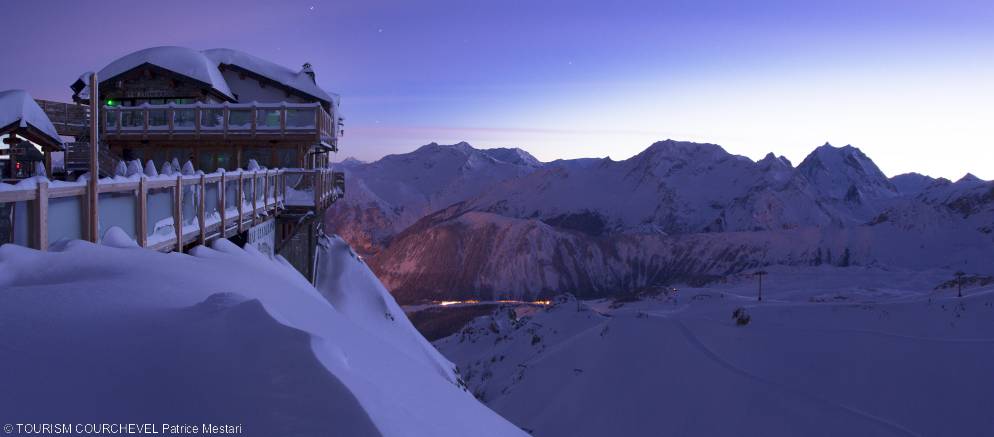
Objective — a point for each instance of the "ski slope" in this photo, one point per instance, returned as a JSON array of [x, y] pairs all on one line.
[[828, 352]]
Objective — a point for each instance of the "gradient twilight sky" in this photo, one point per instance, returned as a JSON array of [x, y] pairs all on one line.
[[909, 82]]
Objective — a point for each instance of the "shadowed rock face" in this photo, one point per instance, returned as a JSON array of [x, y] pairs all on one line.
[[271, 383]]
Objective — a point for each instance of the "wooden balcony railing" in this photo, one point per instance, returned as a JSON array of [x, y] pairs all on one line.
[[162, 212], [225, 120]]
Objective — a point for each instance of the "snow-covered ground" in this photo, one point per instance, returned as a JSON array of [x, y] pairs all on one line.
[[830, 351], [100, 334]]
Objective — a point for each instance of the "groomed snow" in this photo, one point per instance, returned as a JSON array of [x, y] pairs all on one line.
[[94, 333], [17, 106], [829, 352]]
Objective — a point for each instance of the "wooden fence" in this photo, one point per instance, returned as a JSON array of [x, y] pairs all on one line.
[[203, 207]]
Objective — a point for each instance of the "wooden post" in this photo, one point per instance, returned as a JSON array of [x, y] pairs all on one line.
[[238, 157], [317, 189], [255, 113], [255, 175], [142, 225], [178, 213], [48, 162], [265, 192], [300, 155], [283, 175], [93, 228], [240, 202], [41, 216], [201, 216], [223, 206]]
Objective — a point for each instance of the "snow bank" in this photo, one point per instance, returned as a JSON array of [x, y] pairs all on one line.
[[223, 335]]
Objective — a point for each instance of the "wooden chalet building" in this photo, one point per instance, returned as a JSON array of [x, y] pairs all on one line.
[[217, 108], [256, 134]]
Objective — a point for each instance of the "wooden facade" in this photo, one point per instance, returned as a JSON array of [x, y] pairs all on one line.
[[153, 114]]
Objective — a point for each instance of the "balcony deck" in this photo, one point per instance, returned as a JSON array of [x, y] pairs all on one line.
[[164, 212], [296, 123]]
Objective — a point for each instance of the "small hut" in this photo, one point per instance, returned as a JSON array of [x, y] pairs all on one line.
[[22, 119]]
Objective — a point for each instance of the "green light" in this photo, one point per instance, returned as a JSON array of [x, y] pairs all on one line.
[[110, 102]]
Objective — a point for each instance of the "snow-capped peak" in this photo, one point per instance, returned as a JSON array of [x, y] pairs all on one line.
[[671, 149], [970, 179], [912, 183], [835, 170]]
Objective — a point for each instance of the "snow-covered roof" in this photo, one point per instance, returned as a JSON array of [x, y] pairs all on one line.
[[188, 62], [18, 107], [204, 67], [297, 80]]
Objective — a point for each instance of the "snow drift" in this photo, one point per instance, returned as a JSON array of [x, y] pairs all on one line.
[[223, 336]]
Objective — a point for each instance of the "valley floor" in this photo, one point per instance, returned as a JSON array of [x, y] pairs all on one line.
[[830, 351]]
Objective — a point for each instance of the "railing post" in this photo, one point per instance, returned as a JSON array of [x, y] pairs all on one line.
[[196, 119], [317, 188], [142, 225], [284, 187], [222, 205], [92, 197], [240, 199], [178, 213], [41, 216], [255, 176], [319, 120], [253, 117], [283, 119], [225, 115], [265, 192], [201, 215]]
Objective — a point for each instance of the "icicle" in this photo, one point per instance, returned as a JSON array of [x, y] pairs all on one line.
[[150, 169], [175, 164], [167, 169], [188, 169], [253, 165]]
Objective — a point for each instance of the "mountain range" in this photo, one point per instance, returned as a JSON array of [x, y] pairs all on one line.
[[456, 222]]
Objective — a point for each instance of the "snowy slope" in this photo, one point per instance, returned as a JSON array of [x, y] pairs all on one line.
[[388, 195], [676, 211], [476, 255], [224, 336], [829, 352]]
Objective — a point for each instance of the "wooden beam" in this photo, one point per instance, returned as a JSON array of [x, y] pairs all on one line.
[[255, 176], [222, 188], [41, 216], [201, 213], [265, 192], [317, 189], [92, 226], [241, 197], [178, 213], [142, 217]]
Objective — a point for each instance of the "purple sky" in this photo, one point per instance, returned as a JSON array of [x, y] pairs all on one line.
[[908, 82]]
